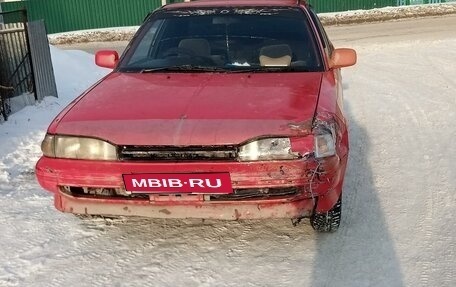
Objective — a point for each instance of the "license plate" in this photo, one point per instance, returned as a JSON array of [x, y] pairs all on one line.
[[202, 183]]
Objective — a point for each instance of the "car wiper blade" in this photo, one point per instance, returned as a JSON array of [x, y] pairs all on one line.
[[186, 68], [273, 69], [193, 68]]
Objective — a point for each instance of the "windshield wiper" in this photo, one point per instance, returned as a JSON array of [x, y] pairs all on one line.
[[185, 68], [194, 68], [265, 69]]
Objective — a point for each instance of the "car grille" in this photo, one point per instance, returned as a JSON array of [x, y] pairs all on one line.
[[191, 153], [257, 193], [238, 194], [100, 192]]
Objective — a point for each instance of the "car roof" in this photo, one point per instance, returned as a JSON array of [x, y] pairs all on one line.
[[233, 3]]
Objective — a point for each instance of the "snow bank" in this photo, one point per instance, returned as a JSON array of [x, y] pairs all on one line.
[[387, 13], [98, 35]]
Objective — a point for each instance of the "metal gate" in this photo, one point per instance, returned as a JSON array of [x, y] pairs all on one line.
[[16, 71], [26, 72], [43, 72]]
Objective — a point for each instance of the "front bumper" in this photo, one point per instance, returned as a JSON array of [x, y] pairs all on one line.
[[320, 182], [219, 210]]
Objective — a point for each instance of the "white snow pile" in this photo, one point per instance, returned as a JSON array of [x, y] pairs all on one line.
[[399, 202], [387, 13], [348, 17], [93, 35]]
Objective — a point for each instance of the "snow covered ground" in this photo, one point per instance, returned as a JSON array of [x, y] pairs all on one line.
[[400, 195]]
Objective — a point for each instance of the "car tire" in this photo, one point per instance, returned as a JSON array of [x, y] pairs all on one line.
[[327, 221]]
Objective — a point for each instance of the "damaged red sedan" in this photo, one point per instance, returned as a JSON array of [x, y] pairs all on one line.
[[217, 109]]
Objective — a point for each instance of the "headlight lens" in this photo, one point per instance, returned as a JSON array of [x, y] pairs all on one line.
[[324, 145], [48, 146], [78, 148], [267, 149]]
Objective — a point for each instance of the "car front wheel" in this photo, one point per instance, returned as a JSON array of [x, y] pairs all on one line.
[[327, 221]]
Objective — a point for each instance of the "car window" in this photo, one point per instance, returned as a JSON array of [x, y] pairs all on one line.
[[143, 49], [233, 39]]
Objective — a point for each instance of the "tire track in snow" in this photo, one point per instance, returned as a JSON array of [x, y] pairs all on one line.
[[424, 210], [443, 126], [413, 114], [82, 249]]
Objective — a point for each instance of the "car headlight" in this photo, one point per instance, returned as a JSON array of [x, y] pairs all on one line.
[[78, 148], [325, 145], [48, 146], [267, 149]]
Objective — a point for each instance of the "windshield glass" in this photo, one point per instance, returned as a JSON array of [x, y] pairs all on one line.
[[224, 39]]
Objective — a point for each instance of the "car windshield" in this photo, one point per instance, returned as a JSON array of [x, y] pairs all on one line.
[[224, 39]]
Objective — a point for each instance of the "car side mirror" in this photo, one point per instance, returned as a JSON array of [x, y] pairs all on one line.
[[342, 57], [107, 59]]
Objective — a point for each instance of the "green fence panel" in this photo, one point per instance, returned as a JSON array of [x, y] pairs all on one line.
[[10, 6], [322, 6], [71, 15]]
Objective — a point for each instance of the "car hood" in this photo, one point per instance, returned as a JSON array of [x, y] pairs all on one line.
[[193, 108]]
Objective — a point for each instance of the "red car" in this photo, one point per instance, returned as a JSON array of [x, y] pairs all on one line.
[[217, 109]]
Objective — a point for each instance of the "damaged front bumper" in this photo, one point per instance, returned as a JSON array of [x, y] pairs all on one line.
[[219, 210], [318, 186]]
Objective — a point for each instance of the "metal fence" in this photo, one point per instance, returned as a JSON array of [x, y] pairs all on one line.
[[322, 6], [26, 72], [16, 76], [71, 15]]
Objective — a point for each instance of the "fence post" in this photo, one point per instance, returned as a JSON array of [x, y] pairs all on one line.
[[27, 41], [1, 16]]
